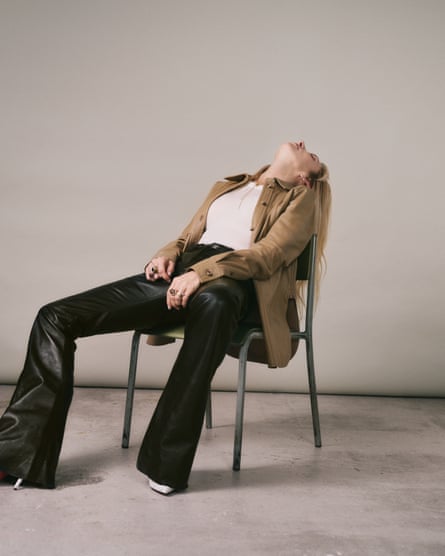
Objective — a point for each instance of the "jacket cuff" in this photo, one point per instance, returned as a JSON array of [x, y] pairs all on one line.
[[207, 271]]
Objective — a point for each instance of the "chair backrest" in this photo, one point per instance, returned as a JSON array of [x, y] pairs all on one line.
[[305, 259], [306, 270]]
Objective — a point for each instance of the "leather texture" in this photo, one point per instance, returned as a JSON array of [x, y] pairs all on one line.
[[32, 427]]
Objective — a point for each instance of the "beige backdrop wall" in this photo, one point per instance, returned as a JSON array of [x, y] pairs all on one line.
[[117, 116]]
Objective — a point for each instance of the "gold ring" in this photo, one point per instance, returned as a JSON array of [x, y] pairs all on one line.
[[154, 269], [172, 291]]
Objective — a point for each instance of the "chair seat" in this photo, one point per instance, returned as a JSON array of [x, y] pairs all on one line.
[[241, 333], [176, 332]]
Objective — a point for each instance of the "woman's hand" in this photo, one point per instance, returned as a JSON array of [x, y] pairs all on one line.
[[181, 288], [159, 268]]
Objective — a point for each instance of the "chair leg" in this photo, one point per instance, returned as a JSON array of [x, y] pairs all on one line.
[[130, 388], [313, 392], [240, 407], [209, 421]]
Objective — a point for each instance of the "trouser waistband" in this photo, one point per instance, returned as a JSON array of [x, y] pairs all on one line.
[[199, 252]]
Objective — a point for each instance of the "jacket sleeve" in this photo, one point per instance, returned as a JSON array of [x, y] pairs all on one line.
[[279, 245]]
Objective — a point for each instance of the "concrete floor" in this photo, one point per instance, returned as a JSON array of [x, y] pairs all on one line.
[[376, 487]]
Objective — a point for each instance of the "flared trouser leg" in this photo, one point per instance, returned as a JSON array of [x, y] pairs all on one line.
[[32, 427], [168, 448]]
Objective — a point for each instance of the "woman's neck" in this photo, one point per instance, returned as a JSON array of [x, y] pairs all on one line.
[[280, 173]]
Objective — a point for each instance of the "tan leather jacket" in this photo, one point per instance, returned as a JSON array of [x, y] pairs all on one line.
[[282, 224]]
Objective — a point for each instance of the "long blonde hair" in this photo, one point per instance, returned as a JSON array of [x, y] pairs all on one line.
[[320, 183]]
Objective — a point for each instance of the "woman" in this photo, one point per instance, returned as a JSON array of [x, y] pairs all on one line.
[[238, 252]]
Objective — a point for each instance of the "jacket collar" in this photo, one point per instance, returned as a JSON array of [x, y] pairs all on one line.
[[244, 178]]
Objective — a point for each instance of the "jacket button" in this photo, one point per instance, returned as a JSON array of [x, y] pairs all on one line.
[[264, 204]]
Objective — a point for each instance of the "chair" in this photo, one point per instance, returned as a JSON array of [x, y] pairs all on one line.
[[243, 337]]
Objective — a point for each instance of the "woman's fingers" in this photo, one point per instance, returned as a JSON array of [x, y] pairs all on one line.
[[151, 271], [176, 299], [170, 269], [182, 287], [159, 268]]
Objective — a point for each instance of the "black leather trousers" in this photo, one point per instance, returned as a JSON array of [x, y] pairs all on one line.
[[32, 427]]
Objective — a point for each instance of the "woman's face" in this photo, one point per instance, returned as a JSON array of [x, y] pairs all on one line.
[[296, 155]]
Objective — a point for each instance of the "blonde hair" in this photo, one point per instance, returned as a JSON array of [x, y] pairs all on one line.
[[320, 183]]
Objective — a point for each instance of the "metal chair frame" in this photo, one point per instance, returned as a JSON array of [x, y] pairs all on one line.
[[306, 270]]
